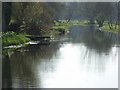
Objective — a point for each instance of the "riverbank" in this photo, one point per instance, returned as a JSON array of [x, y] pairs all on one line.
[[12, 38], [106, 28], [62, 26], [59, 27]]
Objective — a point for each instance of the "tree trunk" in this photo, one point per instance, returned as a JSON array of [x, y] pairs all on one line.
[[109, 25], [6, 13], [115, 24]]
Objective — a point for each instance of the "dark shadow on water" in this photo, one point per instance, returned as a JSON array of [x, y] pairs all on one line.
[[23, 62], [6, 73]]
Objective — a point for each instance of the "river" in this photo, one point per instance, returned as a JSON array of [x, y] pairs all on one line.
[[84, 58]]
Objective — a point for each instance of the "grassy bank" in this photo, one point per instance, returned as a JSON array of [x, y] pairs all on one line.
[[12, 38], [63, 25], [107, 29], [78, 22]]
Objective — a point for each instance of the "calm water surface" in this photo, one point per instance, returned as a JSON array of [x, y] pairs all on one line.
[[85, 58]]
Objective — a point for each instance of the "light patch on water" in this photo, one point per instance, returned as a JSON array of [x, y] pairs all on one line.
[[33, 42], [74, 68]]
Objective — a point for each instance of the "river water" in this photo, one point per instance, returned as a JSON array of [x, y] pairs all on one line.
[[84, 58]]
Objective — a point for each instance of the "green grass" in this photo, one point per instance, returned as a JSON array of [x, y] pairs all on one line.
[[79, 22], [107, 29], [65, 27], [12, 38]]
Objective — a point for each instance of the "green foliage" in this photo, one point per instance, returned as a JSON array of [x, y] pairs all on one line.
[[11, 38]]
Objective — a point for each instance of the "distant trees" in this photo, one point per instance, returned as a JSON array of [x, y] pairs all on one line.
[[109, 12], [33, 18], [113, 16], [89, 11], [62, 11], [101, 12], [37, 17]]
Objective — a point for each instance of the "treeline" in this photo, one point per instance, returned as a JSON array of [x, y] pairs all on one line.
[[38, 17], [31, 18], [101, 12], [95, 12]]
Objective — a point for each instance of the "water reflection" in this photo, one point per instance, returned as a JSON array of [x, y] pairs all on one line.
[[74, 70], [28, 58], [92, 38], [84, 58], [6, 73]]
